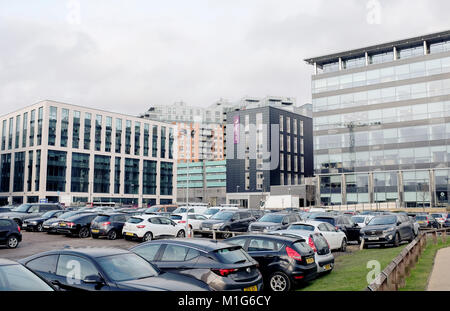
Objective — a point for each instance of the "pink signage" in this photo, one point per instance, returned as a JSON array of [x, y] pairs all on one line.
[[236, 121]]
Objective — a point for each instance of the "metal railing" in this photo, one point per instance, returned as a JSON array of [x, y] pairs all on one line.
[[394, 275]]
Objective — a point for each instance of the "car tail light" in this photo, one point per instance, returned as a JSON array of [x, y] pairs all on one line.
[[140, 226], [298, 277], [182, 221], [224, 272], [18, 228], [293, 254], [337, 228], [70, 224], [311, 244], [106, 223]]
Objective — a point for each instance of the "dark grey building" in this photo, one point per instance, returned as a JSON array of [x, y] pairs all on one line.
[[382, 123], [266, 147]]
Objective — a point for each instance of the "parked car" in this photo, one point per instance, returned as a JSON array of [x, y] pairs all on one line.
[[322, 252], [229, 220], [193, 220], [77, 225], [388, 229], [130, 211], [109, 225], [426, 221], [157, 209], [106, 269], [50, 225], [361, 220], [10, 234], [274, 221], [335, 237], [283, 261], [446, 224], [215, 209], [224, 266], [196, 209], [16, 277], [343, 223], [37, 224], [148, 227], [30, 210], [440, 217]]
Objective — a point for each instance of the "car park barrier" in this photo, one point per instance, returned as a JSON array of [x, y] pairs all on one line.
[[394, 275]]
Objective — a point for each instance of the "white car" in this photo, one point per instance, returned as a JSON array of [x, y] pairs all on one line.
[[440, 217], [362, 220], [335, 238], [148, 227], [201, 209], [193, 220], [215, 209]]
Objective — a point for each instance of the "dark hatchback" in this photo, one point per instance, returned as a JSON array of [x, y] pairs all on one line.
[[77, 225], [10, 234], [343, 223], [283, 261], [274, 221], [106, 269], [229, 220], [50, 225], [37, 224], [222, 266], [109, 225]]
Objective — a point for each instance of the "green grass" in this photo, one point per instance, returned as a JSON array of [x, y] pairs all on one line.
[[418, 279], [350, 272]]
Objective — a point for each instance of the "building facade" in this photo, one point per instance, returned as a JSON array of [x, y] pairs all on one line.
[[266, 147], [67, 153], [382, 123]]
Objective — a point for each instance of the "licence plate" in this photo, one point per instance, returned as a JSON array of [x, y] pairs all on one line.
[[24, 225], [251, 289], [309, 260], [373, 238], [129, 233], [61, 224], [421, 222], [95, 230], [327, 267], [46, 227]]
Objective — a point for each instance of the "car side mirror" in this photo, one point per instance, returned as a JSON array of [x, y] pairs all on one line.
[[399, 223], [355, 225], [93, 279]]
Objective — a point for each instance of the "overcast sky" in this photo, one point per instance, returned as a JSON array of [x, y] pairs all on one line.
[[124, 56]]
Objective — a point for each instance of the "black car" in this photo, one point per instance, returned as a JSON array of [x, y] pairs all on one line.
[[16, 277], [274, 221], [50, 225], [37, 224], [229, 220], [388, 229], [106, 269], [78, 225], [225, 266], [283, 261], [10, 234], [446, 224], [343, 223], [109, 225], [30, 210]]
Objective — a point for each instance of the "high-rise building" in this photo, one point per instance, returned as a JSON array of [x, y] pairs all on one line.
[[382, 123], [60, 152]]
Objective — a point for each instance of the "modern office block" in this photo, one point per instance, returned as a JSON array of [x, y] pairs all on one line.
[[67, 153]]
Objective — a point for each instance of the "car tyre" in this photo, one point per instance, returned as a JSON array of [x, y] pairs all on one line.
[[147, 237], [12, 241], [84, 232], [397, 240], [39, 228], [343, 245], [181, 234], [112, 235], [226, 235], [279, 282]]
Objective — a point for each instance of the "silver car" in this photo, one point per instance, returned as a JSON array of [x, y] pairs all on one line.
[[322, 253]]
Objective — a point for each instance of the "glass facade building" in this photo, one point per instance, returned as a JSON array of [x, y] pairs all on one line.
[[66, 153], [382, 124]]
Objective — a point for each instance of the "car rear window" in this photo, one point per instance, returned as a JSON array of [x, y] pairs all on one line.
[[135, 220], [421, 217], [101, 218], [329, 220], [232, 255], [301, 227], [176, 217], [320, 242], [302, 247]]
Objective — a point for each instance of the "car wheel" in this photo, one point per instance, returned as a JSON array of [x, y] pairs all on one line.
[[181, 234], [112, 235], [94, 236], [147, 237], [279, 282], [84, 233], [397, 240], [343, 245], [226, 235], [12, 242], [40, 228]]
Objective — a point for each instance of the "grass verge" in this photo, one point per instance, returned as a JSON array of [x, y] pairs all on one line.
[[350, 272]]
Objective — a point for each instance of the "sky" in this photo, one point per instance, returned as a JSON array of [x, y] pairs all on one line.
[[125, 56]]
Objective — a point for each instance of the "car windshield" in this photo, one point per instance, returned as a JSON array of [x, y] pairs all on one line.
[[232, 255], [421, 217], [176, 217], [180, 210], [21, 208], [383, 221], [152, 209], [302, 247], [329, 220], [358, 219], [19, 278], [135, 220], [48, 214], [436, 215], [101, 218], [301, 227], [67, 215], [211, 211], [126, 267], [271, 218], [222, 216]]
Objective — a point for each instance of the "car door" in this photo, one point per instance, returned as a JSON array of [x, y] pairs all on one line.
[[118, 221], [168, 227], [351, 228], [264, 251], [155, 226], [71, 270], [4, 229], [245, 220], [235, 224]]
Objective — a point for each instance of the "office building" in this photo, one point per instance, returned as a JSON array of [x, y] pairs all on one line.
[[381, 123], [60, 152]]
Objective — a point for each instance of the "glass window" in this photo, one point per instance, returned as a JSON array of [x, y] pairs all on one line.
[[64, 127], [174, 253], [46, 264], [67, 264], [148, 252]]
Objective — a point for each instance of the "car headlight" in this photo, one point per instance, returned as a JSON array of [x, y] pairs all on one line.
[[216, 226], [388, 230]]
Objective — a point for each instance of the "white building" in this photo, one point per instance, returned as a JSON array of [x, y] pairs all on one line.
[[67, 153]]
